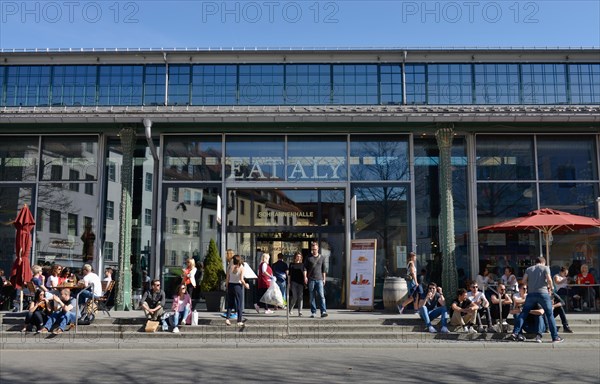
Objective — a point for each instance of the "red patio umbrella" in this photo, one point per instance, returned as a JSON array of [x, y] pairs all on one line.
[[21, 270], [547, 221]]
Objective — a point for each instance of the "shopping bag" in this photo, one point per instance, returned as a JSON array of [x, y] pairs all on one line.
[[273, 296], [151, 326]]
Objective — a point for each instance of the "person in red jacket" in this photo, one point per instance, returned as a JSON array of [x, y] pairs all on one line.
[[265, 278], [585, 293]]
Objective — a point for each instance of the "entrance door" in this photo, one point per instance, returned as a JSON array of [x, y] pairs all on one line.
[[285, 221]]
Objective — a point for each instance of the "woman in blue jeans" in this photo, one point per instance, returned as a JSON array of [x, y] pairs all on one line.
[[235, 289], [182, 306], [415, 292]]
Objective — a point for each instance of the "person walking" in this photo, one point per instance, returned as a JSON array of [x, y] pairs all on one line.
[[280, 271], [539, 286], [414, 288], [235, 289], [298, 280], [265, 279], [315, 267]]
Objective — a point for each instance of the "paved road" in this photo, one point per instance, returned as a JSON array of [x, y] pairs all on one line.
[[446, 363]]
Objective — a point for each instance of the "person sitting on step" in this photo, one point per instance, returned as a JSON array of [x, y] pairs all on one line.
[[464, 312], [432, 305], [478, 297], [64, 312], [500, 305]]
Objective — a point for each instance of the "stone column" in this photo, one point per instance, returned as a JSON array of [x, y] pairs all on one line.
[[123, 297], [444, 137]]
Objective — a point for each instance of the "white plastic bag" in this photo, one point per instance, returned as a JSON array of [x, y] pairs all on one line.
[[273, 296], [195, 317]]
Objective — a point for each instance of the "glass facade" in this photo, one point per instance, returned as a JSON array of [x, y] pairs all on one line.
[[57, 177], [299, 193], [299, 84], [517, 174], [272, 187]]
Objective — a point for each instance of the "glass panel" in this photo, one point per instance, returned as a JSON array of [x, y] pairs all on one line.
[[449, 84], [28, 85], [74, 85], [416, 89], [286, 209], [544, 83], [214, 85], [2, 86], [355, 84], [504, 158], [496, 83], [254, 158], [60, 155], [584, 83], [576, 198], [120, 84], [382, 214], [192, 158], [179, 84], [391, 84], [62, 236], [572, 249], [497, 202], [12, 200], [383, 159], [261, 84], [187, 231], [427, 208], [321, 158], [141, 235], [308, 84], [567, 158], [154, 85], [18, 158]]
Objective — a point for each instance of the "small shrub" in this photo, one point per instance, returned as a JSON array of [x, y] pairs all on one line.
[[214, 275]]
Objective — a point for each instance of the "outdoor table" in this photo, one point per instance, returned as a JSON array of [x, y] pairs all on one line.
[[591, 293]]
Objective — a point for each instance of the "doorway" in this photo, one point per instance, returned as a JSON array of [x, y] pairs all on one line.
[[285, 221]]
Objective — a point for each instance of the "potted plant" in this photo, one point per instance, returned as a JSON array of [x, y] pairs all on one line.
[[213, 279]]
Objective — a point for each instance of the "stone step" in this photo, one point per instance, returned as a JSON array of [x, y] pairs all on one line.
[[14, 318], [278, 327], [250, 335]]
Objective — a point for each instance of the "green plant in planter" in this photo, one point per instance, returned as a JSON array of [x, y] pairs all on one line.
[[214, 275]]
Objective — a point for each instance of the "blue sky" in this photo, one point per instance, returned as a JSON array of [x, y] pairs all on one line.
[[298, 23]]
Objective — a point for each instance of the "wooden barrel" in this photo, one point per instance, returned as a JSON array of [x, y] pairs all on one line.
[[394, 290]]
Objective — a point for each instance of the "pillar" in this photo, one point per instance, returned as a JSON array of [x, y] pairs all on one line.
[[444, 137], [123, 297]]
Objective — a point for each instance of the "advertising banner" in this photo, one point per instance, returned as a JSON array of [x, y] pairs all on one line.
[[362, 274]]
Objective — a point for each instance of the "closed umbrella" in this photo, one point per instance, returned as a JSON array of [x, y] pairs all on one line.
[[547, 221], [21, 269]]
